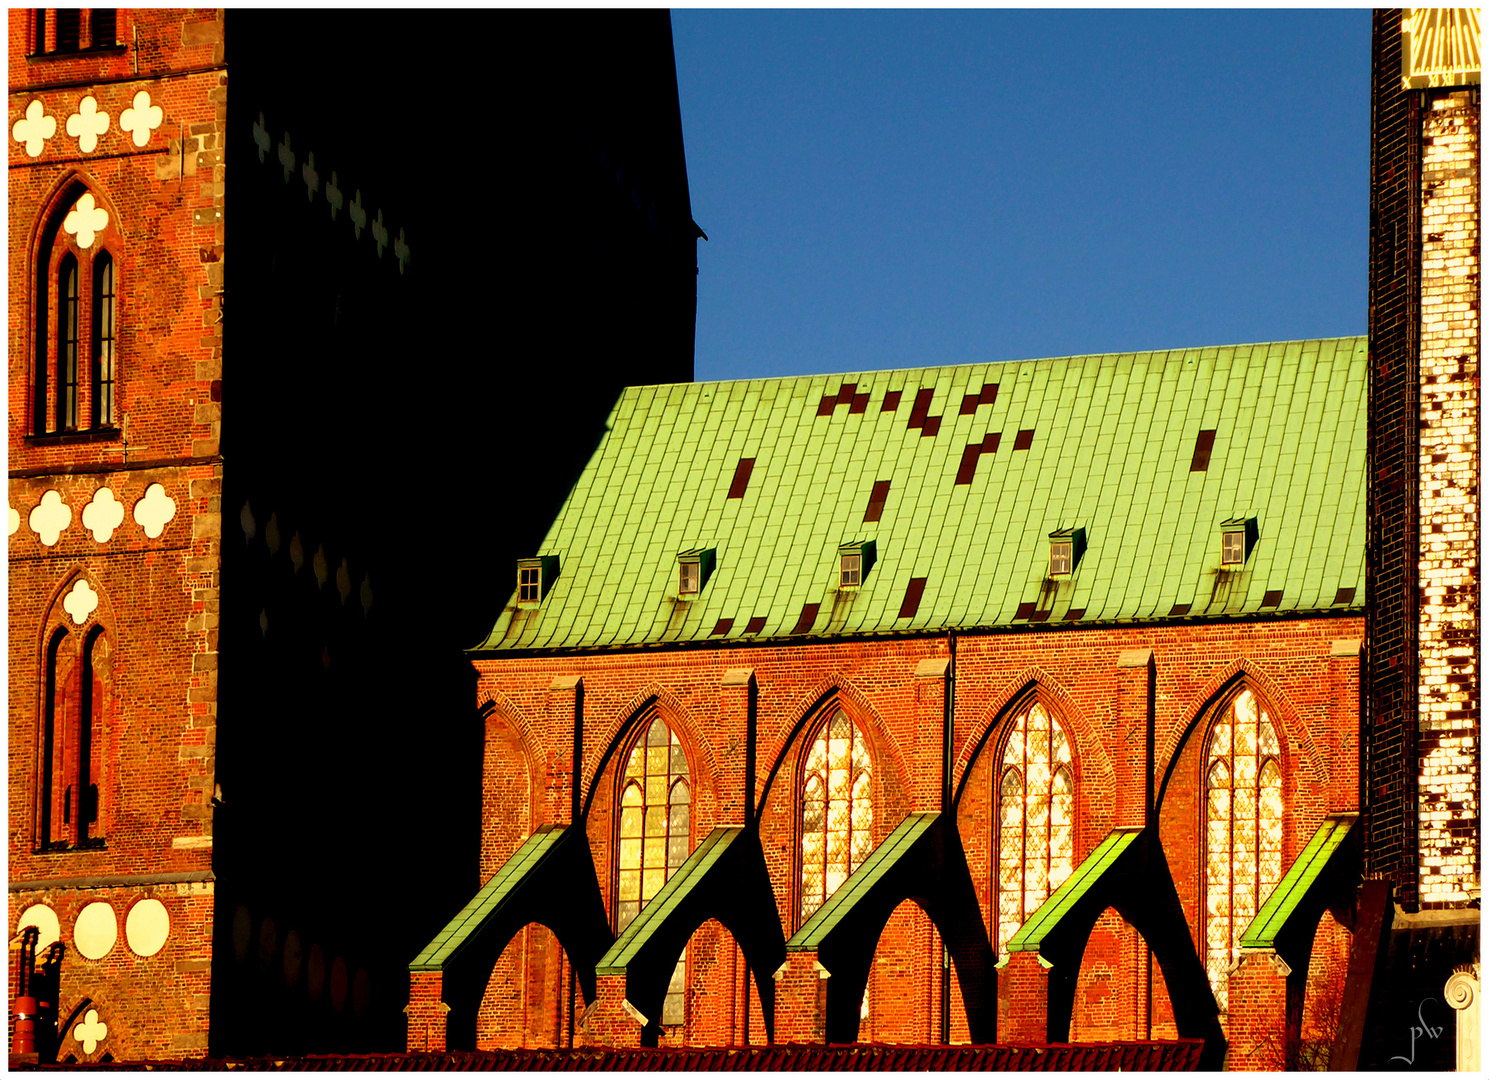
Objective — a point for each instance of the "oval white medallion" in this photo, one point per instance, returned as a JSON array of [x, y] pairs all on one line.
[[45, 920], [146, 927], [96, 930]]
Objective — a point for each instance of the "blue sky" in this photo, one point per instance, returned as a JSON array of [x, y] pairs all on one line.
[[908, 188]]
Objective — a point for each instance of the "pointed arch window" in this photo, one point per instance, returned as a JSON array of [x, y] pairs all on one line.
[[75, 314], [1243, 830], [71, 740], [837, 810], [655, 837], [1036, 818]]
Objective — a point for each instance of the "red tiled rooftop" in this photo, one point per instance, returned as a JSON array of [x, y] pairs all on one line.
[[1175, 1056]]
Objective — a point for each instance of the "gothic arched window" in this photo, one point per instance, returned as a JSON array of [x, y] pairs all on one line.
[[1036, 818], [71, 740], [1243, 830], [75, 307], [655, 833], [837, 810]]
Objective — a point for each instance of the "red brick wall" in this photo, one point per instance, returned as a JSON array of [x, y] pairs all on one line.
[[154, 748], [1309, 693]]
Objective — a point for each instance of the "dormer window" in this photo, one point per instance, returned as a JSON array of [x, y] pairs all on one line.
[[854, 562], [1237, 537], [535, 579], [1066, 548], [694, 568], [1060, 557]]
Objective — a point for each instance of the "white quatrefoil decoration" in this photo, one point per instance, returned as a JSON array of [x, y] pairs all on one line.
[[141, 118], [80, 602], [15, 518], [34, 129], [87, 124], [379, 234], [103, 515], [334, 196], [86, 220], [401, 252], [312, 178], [287, 157], [50, 518], [91, 1031], [358, 213], [154, 511], [261, 137]]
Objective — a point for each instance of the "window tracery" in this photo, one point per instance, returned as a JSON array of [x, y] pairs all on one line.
[[1243, 830], [75, 303], [655, 832], [1036, 816], [68, 810], [837, 810]]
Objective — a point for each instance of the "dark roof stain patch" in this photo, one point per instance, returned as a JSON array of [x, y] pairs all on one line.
[[755, 625], [722, 627], [1272, 598], [741, 477], [891, 401], [876, 501], [913, 592], [1202, 447], [1024, 439], [808, 618]]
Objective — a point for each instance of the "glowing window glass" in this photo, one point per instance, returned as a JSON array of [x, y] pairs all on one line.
[[655, 827], [1243, 831], [1060, 558], [1036, 818], [837, 810], [850, 571], [528, 578], [690, 577], [1232, 548]]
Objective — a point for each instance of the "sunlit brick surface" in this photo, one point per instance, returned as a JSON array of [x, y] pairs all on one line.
[[1448, 618]]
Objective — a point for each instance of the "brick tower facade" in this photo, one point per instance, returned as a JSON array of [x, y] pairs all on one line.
[[116, 259], [1422, 753]]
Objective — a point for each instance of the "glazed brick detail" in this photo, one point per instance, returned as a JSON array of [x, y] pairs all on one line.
[[1448, 565]]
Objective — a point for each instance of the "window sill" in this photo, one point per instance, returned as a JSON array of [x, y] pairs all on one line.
[[60, 848], [90, 435], [70, 54]]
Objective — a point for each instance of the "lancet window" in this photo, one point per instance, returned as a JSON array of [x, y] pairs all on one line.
[[1243, 830], [837, 810], [655, 831], [1036, 818]]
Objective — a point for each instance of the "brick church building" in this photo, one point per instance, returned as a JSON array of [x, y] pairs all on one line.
[[1125, 697], [1110, 699]]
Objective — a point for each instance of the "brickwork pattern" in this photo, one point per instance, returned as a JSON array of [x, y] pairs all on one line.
[[1310, 692], [1448, 567], [154, 1006], [157, 596]]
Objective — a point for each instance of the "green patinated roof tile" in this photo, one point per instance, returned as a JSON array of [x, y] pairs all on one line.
[[1038, 926], [485, 903], [883, 858], [1113, 440], [1305, 870]]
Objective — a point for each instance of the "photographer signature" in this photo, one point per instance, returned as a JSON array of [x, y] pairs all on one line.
[[1419, 1029]]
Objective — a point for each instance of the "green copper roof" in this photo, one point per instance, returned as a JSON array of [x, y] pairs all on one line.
[[826, 918], [963, 485], [654, 914], [485, 903], [1305, 870], [1031, 935]]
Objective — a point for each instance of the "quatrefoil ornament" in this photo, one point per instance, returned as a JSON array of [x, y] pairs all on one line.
[[379, 234], [141, 118], [80, 602], [91, 1031], [34, 129], [86, 220], [87, 124]]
